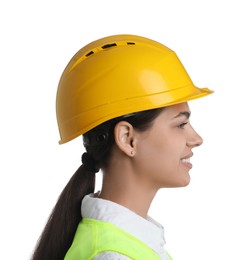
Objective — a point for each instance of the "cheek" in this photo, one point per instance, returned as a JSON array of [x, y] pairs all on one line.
[[159, 161], [159, 155]]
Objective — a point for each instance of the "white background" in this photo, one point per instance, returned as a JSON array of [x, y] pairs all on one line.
[[38, 38]]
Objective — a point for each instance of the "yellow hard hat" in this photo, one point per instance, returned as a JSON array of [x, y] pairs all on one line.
[[118, 75]]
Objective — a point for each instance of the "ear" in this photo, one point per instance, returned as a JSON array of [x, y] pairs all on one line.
[[124, 135]]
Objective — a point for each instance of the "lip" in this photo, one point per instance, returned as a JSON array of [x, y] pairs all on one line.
[[187, 165], [187, 156]]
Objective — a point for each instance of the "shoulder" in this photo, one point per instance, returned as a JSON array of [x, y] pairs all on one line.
[[111, 256]]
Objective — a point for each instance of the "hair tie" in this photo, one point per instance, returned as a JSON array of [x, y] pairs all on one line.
[[89, 163]]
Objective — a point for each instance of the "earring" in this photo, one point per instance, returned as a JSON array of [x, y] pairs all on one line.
[[132, 152]]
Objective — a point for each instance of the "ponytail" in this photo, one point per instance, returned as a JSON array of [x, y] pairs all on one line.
[[60, 229]]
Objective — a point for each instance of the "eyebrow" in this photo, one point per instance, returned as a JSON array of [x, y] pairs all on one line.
[[187, 114]]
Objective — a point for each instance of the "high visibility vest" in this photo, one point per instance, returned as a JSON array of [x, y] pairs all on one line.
[[94, 237]]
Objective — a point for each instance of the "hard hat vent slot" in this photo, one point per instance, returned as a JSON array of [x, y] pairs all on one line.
[[100, 48], [109, 45], [89, 53]]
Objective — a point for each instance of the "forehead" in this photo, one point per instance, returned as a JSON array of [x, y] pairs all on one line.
[[171, 113], [176, 109]]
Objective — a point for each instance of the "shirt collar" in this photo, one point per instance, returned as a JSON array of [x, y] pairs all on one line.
[[147, 230]]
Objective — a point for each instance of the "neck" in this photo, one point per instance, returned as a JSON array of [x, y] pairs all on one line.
[[127, 190]]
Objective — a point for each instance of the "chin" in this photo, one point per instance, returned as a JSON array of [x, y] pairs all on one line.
[[176, 181], [182, 182], [185, 182]]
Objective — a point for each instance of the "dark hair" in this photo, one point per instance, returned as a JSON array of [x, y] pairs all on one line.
[[60, 229]]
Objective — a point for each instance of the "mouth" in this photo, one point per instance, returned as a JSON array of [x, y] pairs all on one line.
[[186, 161]]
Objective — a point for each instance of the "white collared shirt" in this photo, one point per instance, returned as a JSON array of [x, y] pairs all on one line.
[[147, 230]]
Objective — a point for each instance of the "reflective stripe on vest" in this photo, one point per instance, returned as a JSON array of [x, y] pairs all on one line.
[[94, 237]]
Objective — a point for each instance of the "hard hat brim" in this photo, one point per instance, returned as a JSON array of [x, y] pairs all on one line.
[[132, 105]]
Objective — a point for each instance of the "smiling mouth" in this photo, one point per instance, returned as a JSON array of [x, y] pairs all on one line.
[[186, 162]]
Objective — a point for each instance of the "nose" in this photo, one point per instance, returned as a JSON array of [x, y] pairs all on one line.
[[194, 139]]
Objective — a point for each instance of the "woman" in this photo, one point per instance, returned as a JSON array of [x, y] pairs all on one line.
[[127, 95]]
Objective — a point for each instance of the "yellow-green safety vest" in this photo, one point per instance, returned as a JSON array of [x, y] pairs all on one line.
[[94, 237]]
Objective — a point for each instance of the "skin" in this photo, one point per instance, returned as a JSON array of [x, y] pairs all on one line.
[[143, 162]]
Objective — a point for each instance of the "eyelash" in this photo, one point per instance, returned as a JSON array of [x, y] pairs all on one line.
[[181, 126]]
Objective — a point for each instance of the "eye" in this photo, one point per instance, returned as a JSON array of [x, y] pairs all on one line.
[[182, 125]]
